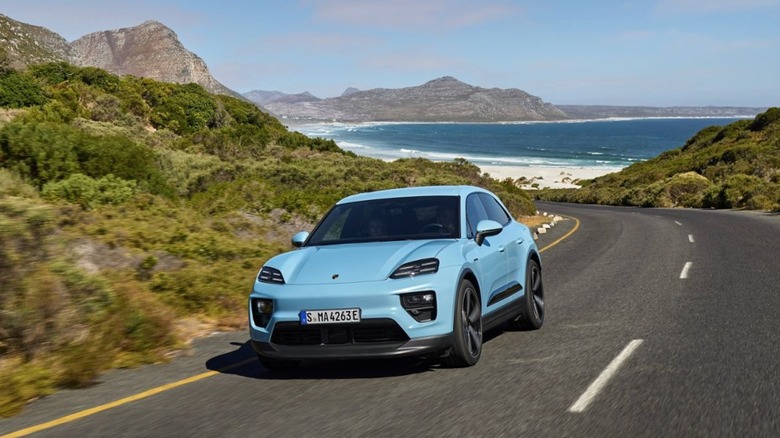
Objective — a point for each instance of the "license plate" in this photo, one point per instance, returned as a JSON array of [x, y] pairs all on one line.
[[333, 316]]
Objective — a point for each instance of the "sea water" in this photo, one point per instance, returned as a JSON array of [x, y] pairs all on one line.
[[609, 145]]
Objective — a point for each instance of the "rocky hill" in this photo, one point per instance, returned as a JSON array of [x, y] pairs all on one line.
[[441, 100], [25, 44], [149, 50], [263, 98]]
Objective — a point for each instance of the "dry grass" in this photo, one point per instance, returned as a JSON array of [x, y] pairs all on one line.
[[8, 114], [535, 221]]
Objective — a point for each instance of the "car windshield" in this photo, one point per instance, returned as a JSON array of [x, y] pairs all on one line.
[[407, 218]]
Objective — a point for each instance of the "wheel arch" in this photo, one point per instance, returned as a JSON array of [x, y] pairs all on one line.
[[469, 275], [535, 257]]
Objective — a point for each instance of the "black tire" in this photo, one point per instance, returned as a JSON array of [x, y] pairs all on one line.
[[531, 315], [467, 328], [278, 364]]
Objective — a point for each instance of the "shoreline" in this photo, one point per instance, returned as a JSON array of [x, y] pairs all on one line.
[[293, 124], [546, 177]]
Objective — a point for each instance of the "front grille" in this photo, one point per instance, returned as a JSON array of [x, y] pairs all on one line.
[[364, 332]]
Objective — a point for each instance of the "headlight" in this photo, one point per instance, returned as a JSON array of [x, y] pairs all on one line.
[[270, 275], [415, 268]]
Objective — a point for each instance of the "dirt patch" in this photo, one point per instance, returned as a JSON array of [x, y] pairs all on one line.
[[93, 256]]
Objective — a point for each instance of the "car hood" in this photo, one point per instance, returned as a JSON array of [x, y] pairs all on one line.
[[351, 263]]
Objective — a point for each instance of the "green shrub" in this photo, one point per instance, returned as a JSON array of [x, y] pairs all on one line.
[[90, 193], [19, 90], [53, 73], [687, 189], [45, 152], [186, 109], [11, 184], [41, 152], [763, 120], [107, 108], [742, 191]]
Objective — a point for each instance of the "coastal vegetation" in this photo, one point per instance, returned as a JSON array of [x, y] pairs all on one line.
[[734, 166], [134, 215]]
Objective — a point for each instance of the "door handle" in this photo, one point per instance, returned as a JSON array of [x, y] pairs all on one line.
[[501, 248]]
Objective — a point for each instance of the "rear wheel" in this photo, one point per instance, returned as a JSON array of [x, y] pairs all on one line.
[[467, 328], [278, 364], [531, 315]]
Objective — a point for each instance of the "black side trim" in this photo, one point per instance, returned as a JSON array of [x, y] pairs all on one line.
[[498, 317], [511, 288]]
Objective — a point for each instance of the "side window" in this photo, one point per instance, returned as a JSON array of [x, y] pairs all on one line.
[[494, 210], [475, 212]]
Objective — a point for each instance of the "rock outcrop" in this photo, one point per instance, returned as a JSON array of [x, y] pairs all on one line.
[[25, 44], [149, 50]]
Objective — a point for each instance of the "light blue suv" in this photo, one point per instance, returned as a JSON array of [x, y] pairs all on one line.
[[414, 271]]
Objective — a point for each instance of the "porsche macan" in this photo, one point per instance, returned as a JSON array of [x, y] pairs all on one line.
[[414, 271]]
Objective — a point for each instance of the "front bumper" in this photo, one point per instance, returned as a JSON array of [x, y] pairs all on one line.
[[411, 347]]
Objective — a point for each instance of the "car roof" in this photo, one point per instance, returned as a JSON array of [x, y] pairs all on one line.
[[413, 191]]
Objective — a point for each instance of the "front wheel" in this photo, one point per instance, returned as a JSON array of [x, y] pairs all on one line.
[[531, 315], [467, 328]]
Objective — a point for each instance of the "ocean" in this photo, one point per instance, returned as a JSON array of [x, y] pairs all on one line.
[[608, 145]]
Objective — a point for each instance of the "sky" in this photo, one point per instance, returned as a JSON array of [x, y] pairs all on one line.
[[623, 52]]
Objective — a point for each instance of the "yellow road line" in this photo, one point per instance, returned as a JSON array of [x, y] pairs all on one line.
[[120, 402], [576, 225], [163, 388]]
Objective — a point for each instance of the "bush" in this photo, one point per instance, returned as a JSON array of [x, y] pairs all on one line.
[[12, 184], [765, 119], [45, 152], [90, 193], [687, 189], [40, 152], [186, 109], [19, 90], [742, 191]]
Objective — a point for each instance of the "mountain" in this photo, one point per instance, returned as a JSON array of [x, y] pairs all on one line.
[[444, 99], [262, 98], [587, 112], [348, 91], [26, 44], [149, 50]]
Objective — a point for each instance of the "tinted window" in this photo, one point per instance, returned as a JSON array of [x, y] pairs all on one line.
[[420, 217], [475, 212], [494, 210]]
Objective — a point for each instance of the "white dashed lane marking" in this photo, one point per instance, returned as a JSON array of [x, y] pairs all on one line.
[[686, 268], [601, 381]]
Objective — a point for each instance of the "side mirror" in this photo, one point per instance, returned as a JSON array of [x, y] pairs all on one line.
[[486, 228], [298, 239]]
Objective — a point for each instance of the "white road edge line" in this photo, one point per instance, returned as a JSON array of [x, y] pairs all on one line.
[[593, 390], [686, 268], [690, 238]]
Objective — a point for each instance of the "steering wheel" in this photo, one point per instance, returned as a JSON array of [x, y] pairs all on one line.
[[432, 228]]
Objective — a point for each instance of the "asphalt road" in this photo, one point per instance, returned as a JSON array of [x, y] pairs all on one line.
[[659, 323]]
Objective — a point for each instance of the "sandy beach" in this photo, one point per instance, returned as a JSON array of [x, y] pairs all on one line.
[[546, 177]]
